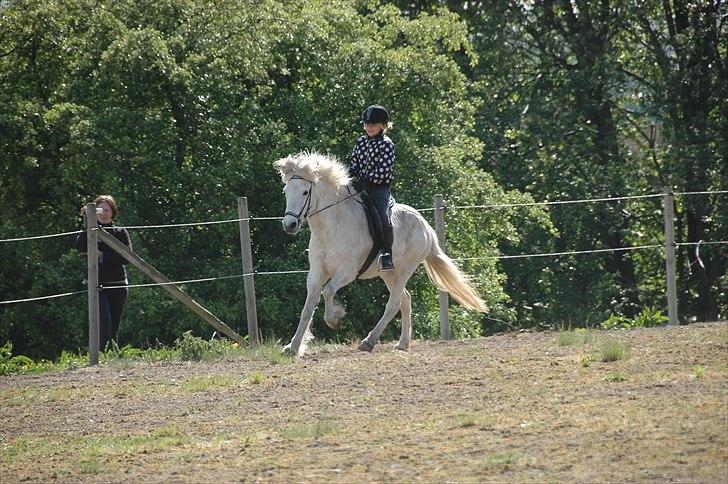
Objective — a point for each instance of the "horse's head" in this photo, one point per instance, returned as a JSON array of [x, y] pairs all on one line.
[[298, 192], [304, 174]]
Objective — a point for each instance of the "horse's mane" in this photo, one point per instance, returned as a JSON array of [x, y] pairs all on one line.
[[313, 166]]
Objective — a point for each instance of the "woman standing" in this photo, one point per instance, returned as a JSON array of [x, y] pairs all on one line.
[[112, 272]]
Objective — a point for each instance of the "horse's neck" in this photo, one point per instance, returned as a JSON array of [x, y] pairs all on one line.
[[337, 218]]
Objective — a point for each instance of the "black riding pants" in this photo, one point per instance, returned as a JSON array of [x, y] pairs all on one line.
[[381, 196], [111, 307]]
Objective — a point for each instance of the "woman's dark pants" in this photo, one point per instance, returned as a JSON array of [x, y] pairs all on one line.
[[111, 307]]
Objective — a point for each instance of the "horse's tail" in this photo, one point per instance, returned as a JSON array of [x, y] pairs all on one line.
[[448, 277]]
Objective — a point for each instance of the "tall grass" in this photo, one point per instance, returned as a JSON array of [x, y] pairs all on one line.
[[186, 348], [613, 350]]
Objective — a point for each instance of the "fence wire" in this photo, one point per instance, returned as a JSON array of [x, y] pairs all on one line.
[[712, 192], [709, 242], [458, 259], [429, 209], [553, 254], [555, 202], [516, 256], [40, 298], [37, 237]]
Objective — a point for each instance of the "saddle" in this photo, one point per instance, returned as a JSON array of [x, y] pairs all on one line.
[[375, 229]]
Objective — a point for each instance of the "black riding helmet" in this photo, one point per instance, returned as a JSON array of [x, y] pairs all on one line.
[[375, 114]]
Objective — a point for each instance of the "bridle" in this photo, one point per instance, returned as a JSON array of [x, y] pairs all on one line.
[[307, 204]]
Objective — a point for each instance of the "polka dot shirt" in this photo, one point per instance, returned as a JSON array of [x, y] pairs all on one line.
[[373, 159]]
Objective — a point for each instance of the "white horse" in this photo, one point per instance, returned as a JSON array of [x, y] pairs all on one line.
[[317, 190]]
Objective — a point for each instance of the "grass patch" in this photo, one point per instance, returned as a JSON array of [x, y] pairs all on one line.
[[271, 353], [698, 371], [568, 338], [155, 441], [89, 467], [205, 383], [33, 396], [614, 377], [187, 348], [613, 350], [85, 450], [500, 459], [571, 338], [466, 420], [256, 378], [308, 431]]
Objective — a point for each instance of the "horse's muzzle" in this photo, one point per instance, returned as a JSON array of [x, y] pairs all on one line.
[[290, 225]]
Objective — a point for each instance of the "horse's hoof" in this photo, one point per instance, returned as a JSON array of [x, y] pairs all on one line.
[[332, 317], [401, 347], [334, 324], [287, 350], [366, 346]]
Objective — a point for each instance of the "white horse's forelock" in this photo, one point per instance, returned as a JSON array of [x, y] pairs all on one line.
[[312, 166]]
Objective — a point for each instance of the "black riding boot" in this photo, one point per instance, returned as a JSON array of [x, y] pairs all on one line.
[[385, 260]]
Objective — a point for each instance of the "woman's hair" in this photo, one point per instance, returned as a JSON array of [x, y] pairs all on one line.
[[110, 200]]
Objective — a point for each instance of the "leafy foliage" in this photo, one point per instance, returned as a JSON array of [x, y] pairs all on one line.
[[13, 364], [648, 318], [177, 107]]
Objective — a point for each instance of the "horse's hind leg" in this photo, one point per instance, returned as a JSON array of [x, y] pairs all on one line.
[[395, 284], [314, 283], [405, 309], [333, 311]]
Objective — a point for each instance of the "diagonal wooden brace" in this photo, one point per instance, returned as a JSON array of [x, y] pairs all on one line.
[[169, 286]]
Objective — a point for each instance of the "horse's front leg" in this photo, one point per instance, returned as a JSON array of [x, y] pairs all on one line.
[[314, 283], [333, 310]]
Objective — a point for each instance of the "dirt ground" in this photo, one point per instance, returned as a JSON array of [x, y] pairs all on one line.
[[516, 407]]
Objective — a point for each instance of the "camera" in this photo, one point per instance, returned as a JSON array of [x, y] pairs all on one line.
[[99, 210]]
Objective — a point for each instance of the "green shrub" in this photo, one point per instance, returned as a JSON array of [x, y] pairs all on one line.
[[617, 321], [10, 364], [648, 318], [192, 348]]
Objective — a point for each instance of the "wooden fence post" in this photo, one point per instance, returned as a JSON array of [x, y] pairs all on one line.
[[670, 256], [248, 281], [92, 257], [443, 297]]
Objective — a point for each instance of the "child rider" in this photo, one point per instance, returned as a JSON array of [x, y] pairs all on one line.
[[372, 168]]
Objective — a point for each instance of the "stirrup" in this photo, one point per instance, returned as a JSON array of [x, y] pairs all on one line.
[[385, 262]]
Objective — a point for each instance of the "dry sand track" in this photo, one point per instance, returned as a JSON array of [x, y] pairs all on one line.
[[526, 406]]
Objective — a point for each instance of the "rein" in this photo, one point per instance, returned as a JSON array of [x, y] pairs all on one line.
[[307, 203]]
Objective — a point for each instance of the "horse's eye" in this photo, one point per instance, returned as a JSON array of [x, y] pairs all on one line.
[[306, 192]]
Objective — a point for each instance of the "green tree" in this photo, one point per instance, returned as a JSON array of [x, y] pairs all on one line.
[[684, 72], [177, 107]]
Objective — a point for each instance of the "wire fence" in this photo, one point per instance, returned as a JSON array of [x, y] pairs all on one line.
[[450, 207]]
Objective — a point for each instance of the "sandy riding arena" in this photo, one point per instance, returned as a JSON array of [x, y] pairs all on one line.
[[517, 407]]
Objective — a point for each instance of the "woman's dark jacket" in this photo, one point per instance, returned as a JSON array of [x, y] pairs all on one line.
[[111, 266]]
